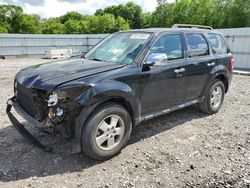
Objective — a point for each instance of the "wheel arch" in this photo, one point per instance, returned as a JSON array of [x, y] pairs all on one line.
[[222, 76], [88, 110], [224, 80]]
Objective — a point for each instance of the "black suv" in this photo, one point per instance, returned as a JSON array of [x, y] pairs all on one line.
[[127, 78]]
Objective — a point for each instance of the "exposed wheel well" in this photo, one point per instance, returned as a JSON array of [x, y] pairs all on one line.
[[224, 80]]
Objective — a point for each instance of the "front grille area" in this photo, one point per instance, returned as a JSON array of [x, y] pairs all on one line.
[[26, 99]]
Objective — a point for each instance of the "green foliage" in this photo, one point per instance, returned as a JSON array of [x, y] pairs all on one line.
[[13, 20], [74, 27], [29, 24], [215, 13], [121, 24], [239, 13], [70, 16], [9, 17], [53, 26], [3, 29], [130, 12]]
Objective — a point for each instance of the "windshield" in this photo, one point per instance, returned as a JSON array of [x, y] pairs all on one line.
[[120, 48]]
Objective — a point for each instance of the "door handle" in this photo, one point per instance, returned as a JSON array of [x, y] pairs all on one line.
[[211, 64], [179, 70]]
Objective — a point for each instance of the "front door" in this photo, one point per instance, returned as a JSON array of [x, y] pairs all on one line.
[[164, 84]]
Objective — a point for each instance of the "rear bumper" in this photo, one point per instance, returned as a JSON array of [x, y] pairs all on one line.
[[20, 127]]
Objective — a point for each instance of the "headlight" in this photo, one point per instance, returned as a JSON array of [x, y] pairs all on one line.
[[53, 99]]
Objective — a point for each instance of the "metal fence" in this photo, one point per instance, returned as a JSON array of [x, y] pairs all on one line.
[[239, 42], [25, 44]]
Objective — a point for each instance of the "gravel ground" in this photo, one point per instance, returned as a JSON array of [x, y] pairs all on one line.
[[183, 149]]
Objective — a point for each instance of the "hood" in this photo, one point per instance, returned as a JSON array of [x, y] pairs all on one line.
[[49, 75]]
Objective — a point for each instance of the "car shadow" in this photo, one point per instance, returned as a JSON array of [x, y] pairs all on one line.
[[20, 160]]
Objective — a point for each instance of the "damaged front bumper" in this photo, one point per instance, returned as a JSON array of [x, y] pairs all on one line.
[[20, 127]]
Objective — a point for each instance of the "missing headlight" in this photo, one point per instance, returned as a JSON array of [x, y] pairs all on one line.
[[70, 92]]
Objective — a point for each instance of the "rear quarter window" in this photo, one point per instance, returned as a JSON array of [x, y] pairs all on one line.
[[197, 45], [217, 43]]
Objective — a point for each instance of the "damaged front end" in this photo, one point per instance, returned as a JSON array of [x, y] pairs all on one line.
[[20, 127], [50, 113]]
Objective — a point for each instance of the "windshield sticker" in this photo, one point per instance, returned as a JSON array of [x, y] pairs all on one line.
[[140, 36]]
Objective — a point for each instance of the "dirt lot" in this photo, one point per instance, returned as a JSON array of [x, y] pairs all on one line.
[[183, 149]]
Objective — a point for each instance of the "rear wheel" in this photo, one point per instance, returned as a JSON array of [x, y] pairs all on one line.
[[214, 98], [106, 132]]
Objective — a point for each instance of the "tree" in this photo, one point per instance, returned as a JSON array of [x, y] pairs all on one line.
[[72, 27], [216, 13], [71, 16], [9, 17], [131, 12], [99, 12], [147, 20], [93, 22], [160, 10], [29, 24], [239, 14], [121, 24], [106, 23], [76, 27], [3, 29], [53, 26]]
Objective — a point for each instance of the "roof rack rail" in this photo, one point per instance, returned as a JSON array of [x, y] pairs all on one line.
[[192, 26]]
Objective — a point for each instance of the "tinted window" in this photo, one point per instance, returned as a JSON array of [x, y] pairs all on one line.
[[217, 43], [197, 45], [169, 45]]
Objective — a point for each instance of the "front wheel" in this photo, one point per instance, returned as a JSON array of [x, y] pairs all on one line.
[[214, 98], [106, 132]]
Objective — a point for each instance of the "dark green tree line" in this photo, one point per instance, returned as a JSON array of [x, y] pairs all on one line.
[[215, 13]]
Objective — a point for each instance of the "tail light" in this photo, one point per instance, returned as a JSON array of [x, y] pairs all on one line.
[[230, 66]]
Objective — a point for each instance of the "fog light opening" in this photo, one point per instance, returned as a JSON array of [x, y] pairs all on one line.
[[51, 113]]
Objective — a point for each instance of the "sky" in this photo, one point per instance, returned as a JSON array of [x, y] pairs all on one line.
[[54, 8]]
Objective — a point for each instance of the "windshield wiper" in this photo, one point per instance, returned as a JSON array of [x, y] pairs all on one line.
[[96, 59]]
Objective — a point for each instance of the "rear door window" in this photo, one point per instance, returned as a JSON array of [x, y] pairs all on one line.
[[197, 45], [218, 44]]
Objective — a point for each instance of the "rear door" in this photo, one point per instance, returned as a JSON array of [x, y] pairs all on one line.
[[201, 61], [219, 48]]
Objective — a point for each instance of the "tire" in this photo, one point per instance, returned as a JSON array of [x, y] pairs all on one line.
[[106, 132], [214, 97]]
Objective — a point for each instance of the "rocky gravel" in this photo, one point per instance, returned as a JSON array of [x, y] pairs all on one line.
[[186, 148]]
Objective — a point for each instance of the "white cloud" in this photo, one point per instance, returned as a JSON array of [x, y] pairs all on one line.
[[54, 8]]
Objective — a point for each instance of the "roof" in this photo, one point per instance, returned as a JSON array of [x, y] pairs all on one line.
[[159, 30]]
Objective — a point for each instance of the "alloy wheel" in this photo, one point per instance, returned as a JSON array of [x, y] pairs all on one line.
[[110, 132]]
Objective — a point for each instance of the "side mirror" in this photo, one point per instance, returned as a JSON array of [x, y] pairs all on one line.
[[155, 58]]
